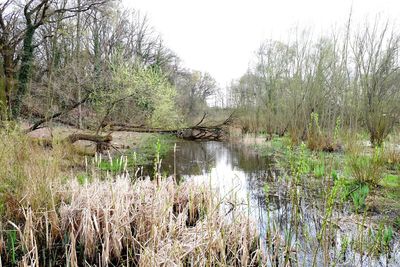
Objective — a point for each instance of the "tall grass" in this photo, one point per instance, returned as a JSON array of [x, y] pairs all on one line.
[[367, 169], [55, 214], [51, 218], [28, 173]]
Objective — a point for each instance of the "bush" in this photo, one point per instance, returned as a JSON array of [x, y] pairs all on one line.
[[366, 169], [359, 196], [391, 156], [317, 140]]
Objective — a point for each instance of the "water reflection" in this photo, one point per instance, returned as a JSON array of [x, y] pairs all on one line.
[[228, 167], [231, 169], [235, 169]]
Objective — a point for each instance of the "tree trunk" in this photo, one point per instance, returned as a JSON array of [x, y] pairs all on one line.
[[25, 71], [102, 141], [6, 89], [78, 48]]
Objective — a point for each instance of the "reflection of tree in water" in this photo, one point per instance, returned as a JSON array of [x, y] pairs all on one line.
[[198, 158], [274, 211], [192, 158]]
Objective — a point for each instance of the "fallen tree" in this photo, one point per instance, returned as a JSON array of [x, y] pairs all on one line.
[[103, 142], [199, 131]]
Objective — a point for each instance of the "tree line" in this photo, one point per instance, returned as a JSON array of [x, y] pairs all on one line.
[[87, 62], [349, 78]]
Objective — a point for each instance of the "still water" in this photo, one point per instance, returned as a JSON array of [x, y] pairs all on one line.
[[236, 169]]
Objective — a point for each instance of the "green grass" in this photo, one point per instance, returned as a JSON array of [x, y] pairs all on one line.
[[359, 196], [143, 155], [391, 181], [366, 169]]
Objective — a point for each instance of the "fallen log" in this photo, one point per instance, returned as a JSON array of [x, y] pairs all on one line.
[[103, 142], [88, 137], [191, 133], [199, 131], [205, 133]]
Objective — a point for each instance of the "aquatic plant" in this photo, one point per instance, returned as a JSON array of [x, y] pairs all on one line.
[[359, 196], [366, 169], [319, 170]]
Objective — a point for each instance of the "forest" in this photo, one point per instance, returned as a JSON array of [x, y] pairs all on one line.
[[113, 152]]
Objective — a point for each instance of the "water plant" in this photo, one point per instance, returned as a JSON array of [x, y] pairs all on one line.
[[343, 248], [366, 169], [319, 170], [359, 196], [12, 246]]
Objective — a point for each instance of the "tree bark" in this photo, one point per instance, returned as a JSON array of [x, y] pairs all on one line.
[[25, 71], [5, 94]]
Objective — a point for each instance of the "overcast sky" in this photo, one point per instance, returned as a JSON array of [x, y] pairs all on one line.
[[220, 36]]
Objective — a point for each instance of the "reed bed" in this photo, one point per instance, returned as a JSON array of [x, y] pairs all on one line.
[[55, 213], [118, 222]]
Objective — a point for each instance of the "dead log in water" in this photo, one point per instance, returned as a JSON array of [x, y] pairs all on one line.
[[191, 133], [215, 132]]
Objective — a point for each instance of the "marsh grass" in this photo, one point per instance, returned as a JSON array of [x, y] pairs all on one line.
[[54, 216], [28, 172], [101, 214], [334, 191], [359, 197], [391, 156], [367, 169], [142, 223]]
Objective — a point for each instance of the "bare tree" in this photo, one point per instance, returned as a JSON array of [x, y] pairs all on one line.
[[19, 23], [377, 64]]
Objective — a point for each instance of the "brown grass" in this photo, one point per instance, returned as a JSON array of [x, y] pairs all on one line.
[[113, 220], [141, 224]]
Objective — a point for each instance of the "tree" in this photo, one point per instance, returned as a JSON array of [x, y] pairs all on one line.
[[23, 21], [194, 88], [11, 36], [376, 57]]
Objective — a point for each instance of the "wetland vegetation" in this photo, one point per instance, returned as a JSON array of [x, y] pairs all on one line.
[[99, 166]]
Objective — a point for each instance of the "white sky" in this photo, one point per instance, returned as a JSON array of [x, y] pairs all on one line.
[[220, 36]]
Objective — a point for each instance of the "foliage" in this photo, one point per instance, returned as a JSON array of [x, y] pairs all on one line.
[[359, 196], [391, 180], [391, 156], [311, 88], [166, 114], [396, 223], [143, 91], [366, 169], [319, 171]]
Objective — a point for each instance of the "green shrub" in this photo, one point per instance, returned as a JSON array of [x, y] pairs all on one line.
[[318, 140], [366, 169], [319, 170], [359, 196]]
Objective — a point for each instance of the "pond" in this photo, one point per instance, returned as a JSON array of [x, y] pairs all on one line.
[[290, 232]]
